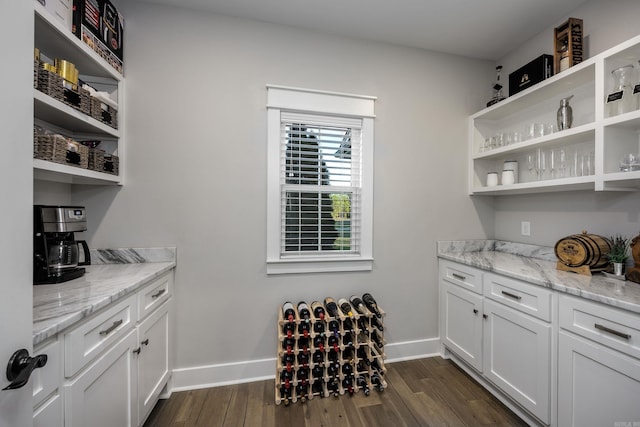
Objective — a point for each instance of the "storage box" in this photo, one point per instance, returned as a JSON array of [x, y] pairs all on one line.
[[60, 9], [534, 72], [99, 24], [568, 45]]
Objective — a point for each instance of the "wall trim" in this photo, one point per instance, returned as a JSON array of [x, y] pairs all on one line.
[[263, 369]]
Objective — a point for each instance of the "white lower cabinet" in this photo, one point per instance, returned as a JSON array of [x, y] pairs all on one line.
[[102, 395], [500, 327], [108, 370], [598, 365]]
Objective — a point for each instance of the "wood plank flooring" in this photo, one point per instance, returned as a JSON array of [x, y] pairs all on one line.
[[424, 392]]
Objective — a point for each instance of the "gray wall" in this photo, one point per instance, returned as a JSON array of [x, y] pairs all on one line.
[[196, 171], [553, 216]]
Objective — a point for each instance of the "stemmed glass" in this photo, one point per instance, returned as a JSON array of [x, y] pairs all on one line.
[[541, 164], [562, 162], [531, 164], [552, 164]]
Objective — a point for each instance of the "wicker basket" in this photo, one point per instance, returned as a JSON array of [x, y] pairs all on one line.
[[51, 84], [80, 100], [111, 164], [96, 159], [58, 149], [104, 113]]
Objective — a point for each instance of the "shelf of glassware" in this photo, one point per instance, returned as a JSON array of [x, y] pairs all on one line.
[[54, 40], [621, 162]]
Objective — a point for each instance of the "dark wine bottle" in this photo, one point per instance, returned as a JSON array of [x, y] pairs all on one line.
[[348, 325], [303, 344], [347, 339], [303, 312], [303, 359], [371, 304], [331, 307], [303, 374], [288, 344], [318, 310], [288, 328], [317, 388], [377, 381], [347, 368], [333, 342], [286, 375], [317, 371], [377, 324], [376, 366], [376, 339], [347, 355], [319, 327], [357, 304], [362, 324], [303, 329], [334, 387], [362, 383], [285, 393], [288, 359], [347, 384], [288, 311], [362, 355], [345, 307], [333, 369], [301, 391], [318, 342], [361, 367], [334, 327], [318, 357], [333, 355]]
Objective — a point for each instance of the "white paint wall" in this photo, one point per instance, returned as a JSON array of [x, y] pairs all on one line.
[[196, 172], [553, 216]]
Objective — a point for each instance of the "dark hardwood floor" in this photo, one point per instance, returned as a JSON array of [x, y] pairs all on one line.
[[423, 392]]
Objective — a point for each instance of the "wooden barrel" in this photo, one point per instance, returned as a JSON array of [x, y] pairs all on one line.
[[583, 249]]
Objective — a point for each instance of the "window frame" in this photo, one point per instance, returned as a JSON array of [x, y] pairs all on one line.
[[315, 102]]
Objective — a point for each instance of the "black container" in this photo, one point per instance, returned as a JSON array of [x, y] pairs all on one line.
[[534, 72]]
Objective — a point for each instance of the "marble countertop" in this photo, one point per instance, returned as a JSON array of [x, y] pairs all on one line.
[[537, 265], [59, 306]]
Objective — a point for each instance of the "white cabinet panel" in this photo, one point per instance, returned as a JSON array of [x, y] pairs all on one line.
[[596, 385]]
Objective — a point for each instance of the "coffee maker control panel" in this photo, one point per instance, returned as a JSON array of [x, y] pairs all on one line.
[[63, 219]]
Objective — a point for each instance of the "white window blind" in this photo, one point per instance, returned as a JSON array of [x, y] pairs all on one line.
[[320, 177]]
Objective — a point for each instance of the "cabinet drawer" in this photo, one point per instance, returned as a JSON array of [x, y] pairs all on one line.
[[45, 380], [530, 299], [95, 335], [153, 295], [461, 275], [610, 326]]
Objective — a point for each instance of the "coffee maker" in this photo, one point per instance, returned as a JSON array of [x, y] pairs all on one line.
[[56, 254]]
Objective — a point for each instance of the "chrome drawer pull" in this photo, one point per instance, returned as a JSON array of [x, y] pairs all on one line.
[[509, 294], [458, 276], [157, 294], [611, 331], [111, 328]]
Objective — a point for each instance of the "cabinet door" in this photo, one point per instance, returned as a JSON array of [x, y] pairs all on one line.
[[153, 359], [597, 386], [517, 357], [462, 323], [102, 395], [50, 413]]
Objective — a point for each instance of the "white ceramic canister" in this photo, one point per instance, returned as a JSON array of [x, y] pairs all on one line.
[[492, 179], [508, 177], [511, 165]]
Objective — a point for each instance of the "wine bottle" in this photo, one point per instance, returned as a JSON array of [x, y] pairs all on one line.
[[361, 381], [303, 329], [286, 375], [288, 359], [333, 369], [318, 342], [361, 367], [303, 312], [332, 307], [334, 387], [288, 328], [345, 307], [285, 393], [376, 339], [318, 310], [302, 390], [318, 327], [317, 371], [289, 312], [347, 339], [318, 357], [347, 355], [303, 344], [362, 355], [303, 374], [347, 384], [347, 368], [333, 355], [334, 327], [376, 366], [348, 325], [371, 304], [377, 381], [317, 387], [362, 324], [303, 359], [288, 344], [357, 304], [376, 324]]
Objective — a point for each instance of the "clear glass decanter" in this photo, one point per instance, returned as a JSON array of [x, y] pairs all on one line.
[[620, 100]]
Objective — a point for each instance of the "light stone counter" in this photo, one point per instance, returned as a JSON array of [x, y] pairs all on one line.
[[60, 306], [537, 265]]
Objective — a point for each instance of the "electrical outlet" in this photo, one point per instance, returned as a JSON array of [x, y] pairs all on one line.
[[525, 228]]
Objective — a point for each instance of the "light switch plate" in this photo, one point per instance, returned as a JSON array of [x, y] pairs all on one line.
[[525, 228]]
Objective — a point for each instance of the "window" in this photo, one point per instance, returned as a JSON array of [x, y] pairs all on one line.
[[320, 190]]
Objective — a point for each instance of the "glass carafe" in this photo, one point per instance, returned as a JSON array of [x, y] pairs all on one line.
[[636, 89], [620, 100]]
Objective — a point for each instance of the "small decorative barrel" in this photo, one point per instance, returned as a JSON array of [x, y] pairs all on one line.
[[583, 250]]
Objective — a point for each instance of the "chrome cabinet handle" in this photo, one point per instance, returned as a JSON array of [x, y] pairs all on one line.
[[458, 276], [157, 294], [509, 294], [612, 331], [111, 328]]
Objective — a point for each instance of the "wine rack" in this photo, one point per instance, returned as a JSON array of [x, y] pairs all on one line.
[[333, 356]]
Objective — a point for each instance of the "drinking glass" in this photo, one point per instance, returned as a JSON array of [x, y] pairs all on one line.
[[562, 162], [531, 165], [541, 165], [552, 163]]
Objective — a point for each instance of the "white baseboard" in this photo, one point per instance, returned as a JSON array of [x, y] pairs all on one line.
[[262, 369]]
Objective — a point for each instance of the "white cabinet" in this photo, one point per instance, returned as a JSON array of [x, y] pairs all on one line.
[[598, 365], [586, 156], [55, 40], [501, 328], [47, 393]]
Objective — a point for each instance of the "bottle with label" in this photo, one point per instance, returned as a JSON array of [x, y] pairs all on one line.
[[376, 381], [288, 311], [318, 310], [345, 307], [357, 304], [620, 100], [636, 89], [331, 307], [361, 381], [371, 304], [303, 312]]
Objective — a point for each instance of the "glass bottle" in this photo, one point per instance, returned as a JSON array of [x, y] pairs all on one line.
[[497, 89], [636, 89], [620, 99]]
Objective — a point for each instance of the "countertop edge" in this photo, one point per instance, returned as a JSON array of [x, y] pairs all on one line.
[[70, 320]]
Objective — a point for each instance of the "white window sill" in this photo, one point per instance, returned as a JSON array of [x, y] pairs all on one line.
[[306, 265]]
